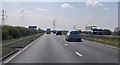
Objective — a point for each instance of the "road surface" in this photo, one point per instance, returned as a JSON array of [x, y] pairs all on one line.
[[50, 48]]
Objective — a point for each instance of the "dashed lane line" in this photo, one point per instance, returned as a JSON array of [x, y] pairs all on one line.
[[78, 54]]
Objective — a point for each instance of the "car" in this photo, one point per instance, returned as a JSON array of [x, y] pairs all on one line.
[[54, 31], [48, 31], [73, 35], [59, 33]]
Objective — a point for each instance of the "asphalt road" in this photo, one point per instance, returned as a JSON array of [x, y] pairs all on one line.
[[50, 48]]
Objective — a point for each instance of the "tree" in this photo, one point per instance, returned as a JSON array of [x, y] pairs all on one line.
[[6, 32], [117, 30], [107, 32], [9, 32]]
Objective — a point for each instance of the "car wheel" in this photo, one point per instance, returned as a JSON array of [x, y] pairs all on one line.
[[66, 39], [79, 40]]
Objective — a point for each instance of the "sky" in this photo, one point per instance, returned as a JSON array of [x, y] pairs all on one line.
[[57, 0], [66, 14]]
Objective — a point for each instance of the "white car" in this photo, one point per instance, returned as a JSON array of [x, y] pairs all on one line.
[[73, 35]]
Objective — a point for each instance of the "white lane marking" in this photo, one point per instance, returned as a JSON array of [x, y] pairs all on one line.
[[107, 45], [60, 40], [78, 54], [112, 46], [102, 44], [66, 45], [8, 60]]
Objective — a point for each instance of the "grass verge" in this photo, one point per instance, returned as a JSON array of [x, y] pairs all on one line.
[[8, 48], [114, 41]]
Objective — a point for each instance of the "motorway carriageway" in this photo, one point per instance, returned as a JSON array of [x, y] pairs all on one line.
[[50, 48]]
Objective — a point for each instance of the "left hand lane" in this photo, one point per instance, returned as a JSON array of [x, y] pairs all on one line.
[[47, 50]]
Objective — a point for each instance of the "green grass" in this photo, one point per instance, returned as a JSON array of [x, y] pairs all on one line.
[[7, 48], [115, 34], [104, 40], [15, 39], [64, 33]]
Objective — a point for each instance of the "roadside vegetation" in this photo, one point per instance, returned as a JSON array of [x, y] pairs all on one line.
[[18, 44], [114, 41], [11, 32], [16, 37], [108, 37]]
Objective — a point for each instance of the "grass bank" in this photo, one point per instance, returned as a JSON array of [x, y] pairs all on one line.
[[114, 41], [13, 44]]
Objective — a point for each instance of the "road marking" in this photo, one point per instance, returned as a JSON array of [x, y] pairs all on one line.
[[60, 40], [8, 60], [102, 44], [66, 45], [78, 54], [111, 46], [107, 45]]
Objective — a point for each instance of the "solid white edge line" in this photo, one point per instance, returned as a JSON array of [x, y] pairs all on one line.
[[8, 60], [78, 54], [107, 45]]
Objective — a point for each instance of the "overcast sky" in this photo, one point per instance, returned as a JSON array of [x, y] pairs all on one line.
[[67, 14]]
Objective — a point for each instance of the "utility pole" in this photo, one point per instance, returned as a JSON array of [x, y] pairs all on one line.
[[74, 27], [4, 16], [54, 24]]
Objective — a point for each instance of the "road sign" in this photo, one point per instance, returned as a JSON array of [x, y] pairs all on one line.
[[32, 26]]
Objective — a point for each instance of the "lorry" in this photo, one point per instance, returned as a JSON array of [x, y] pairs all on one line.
[[93, 30]]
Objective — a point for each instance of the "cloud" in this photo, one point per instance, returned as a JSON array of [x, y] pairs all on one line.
[[22, 10], [93, 3], [66, 5], [17, 4], [28, 12], [21, 14], [40, 9], [106, 8]]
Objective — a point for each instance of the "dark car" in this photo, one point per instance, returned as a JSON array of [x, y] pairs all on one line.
[[54, 31], [59, 33]]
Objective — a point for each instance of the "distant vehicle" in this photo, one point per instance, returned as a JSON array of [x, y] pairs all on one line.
[[97, 31], [54, 31], [59, 33], [48, 31], [73, 35], [89, 29], [93, 30]]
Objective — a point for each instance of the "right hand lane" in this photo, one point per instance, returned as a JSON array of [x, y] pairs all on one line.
[[92, 52]]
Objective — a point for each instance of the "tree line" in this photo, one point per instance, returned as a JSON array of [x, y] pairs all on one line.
[[9, 32], [107, 32]]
